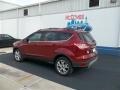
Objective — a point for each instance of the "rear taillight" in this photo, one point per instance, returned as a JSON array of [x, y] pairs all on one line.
[[82, 46]]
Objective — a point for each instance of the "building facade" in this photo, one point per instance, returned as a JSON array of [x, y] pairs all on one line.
[[102, 15], [5, 5]]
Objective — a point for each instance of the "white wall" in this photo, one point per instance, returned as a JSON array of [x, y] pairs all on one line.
[[10, 27], [73, 5], [5, 6], [9, 14], [28, 26], [105, 23]]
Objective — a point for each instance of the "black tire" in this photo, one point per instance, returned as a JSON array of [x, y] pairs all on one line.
[[63, 69], [18, 56]]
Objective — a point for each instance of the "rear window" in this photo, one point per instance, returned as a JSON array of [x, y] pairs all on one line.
[[86, 37]]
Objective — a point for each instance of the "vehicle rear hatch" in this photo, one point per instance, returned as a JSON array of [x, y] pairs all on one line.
[[87, 37]]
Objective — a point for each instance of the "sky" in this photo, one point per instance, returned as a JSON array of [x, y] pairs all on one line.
[[24, 2]]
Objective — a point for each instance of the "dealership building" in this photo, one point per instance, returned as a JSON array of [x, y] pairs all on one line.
[[6, 5], [102, 15]]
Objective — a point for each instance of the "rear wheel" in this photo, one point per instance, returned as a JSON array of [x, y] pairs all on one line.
[[63, 66], [17, 56]]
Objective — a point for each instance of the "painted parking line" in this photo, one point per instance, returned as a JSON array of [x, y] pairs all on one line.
[[27, 81]]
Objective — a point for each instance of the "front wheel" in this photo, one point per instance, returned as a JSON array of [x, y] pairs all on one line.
[[63, 66], [18, 56]]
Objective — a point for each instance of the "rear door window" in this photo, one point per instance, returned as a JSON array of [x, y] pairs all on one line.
[[63, 36], [57, 36], [50, 36]]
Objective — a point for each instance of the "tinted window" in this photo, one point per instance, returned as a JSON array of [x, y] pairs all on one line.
[[93, 3], [50, 36], [5, 37], [0, 37], [55, 36], [113, 1], [25, 12], [35, 37], [63, 36], [86, 37]]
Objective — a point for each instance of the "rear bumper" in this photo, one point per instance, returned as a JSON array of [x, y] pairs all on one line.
[[86, 62]]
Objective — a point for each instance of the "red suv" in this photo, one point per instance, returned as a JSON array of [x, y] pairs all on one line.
[[65, 48]]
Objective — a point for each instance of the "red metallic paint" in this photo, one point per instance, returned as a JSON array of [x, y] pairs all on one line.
[[48, 50]]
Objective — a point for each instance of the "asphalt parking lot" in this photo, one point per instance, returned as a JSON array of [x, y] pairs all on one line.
[[103, 75]]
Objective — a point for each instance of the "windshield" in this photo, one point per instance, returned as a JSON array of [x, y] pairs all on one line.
[[86, 36]]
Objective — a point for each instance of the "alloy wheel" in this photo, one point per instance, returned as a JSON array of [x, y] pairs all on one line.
[[17, 55]]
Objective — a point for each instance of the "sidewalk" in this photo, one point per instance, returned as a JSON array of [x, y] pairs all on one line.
[[5, 50], [6, 84], [15, 79]]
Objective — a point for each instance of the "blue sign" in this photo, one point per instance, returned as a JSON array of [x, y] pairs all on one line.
[[79, 24]]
